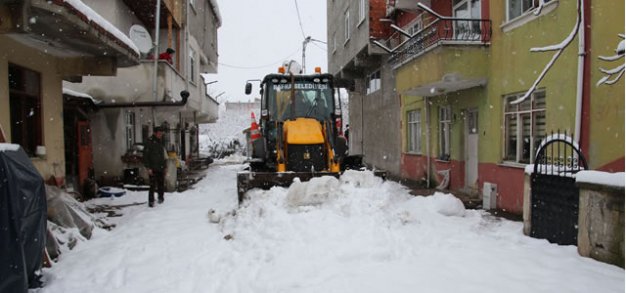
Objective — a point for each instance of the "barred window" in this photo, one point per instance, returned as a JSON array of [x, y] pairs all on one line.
[[524, 127]]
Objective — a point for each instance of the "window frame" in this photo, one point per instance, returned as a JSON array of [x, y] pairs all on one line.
[[131, 133], [346, 23], [443, 132], [19, 100], [373, 82], [519, 114], [522, 12], [414, 131], [362, 10], [192, 65]]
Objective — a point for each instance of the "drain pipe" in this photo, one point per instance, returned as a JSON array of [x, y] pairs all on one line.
[[426, 106], [581, 70], [155, 54]]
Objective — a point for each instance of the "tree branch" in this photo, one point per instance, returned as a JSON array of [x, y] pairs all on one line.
[[558, 47]]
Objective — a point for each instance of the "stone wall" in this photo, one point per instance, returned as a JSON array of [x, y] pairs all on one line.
[[601, 223]]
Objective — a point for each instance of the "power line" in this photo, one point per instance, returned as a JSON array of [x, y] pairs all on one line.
[[299, 19]]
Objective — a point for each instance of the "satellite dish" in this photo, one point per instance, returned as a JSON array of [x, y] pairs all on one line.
[[141, 37]]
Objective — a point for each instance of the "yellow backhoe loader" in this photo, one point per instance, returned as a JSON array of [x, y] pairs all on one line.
[[299, 133]]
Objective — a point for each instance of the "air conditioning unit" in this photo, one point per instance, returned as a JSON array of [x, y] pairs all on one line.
[[490, 196]]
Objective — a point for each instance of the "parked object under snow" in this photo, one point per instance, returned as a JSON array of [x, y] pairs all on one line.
[[22, 220]]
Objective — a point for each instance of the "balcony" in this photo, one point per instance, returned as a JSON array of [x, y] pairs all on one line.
[[442, 31], [134, 85], [87, 42]]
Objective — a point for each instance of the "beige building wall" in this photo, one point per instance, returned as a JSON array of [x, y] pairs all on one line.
[[51, 97]]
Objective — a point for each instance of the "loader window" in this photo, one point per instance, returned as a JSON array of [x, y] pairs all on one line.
[[312, 100]]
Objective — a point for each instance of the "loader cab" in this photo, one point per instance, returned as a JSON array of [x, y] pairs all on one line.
[[287, 97]]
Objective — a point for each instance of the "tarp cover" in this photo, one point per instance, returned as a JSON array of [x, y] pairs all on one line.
[[22, 221]]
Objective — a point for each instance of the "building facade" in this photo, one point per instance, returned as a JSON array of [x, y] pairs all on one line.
[[169, 93], [43, 43], [373, 102], [461, 70]]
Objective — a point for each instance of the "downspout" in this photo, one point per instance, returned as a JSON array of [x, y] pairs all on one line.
[[155, 55], [186, 54], [580, 73], [586, 95], [427, 142], [187, 64]]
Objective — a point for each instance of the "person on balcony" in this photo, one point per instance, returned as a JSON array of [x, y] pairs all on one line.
[[155, 161], [167, 55]]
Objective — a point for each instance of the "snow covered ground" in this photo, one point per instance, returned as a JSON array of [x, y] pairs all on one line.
[[355, 234]]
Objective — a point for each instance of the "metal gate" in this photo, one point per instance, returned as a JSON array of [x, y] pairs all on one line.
[[554, 195]]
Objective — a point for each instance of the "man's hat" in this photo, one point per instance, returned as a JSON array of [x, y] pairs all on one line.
[[158, 129], [170, 50]]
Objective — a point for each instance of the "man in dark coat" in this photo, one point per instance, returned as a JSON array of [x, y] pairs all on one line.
[[155, 160]]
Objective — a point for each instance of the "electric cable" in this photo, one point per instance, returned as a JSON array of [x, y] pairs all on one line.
[[299, 19]]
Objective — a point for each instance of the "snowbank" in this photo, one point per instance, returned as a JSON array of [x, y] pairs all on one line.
[[359, 235], [602, 178]]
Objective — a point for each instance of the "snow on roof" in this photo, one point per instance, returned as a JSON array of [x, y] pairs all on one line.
[[102, 22], [216, 10], [602, 178], [9, 147], [73, 93]]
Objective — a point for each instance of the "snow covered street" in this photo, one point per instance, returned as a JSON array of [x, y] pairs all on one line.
[[355, 234]]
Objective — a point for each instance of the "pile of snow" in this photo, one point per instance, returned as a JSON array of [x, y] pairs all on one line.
[[231, 159]]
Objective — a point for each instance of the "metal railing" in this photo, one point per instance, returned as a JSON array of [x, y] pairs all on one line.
[[461, 30]]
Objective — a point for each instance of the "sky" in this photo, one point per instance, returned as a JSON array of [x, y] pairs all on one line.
[[257, 36], [355, 234]]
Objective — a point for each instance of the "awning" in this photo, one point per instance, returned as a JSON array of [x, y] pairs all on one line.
[[449, 83]]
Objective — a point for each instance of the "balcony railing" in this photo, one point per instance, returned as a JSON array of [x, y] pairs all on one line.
[[461, 30]]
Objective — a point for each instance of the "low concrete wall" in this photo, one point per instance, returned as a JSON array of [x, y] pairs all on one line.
[[601, 223], [600, 220]]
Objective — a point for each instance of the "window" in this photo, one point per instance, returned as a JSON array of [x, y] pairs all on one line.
[[414, 132], [130, 130], [373, 82], [346, 24], [445, 119], [515, 8], [361, 11], [525, 127], [416, 25], [192, 65], [334, 42], [25, 103], [465, 29]]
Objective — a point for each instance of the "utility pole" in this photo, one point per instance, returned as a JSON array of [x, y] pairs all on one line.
[[304, 43]]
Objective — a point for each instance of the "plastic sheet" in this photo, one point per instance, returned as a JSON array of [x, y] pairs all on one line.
[[22, 221]]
